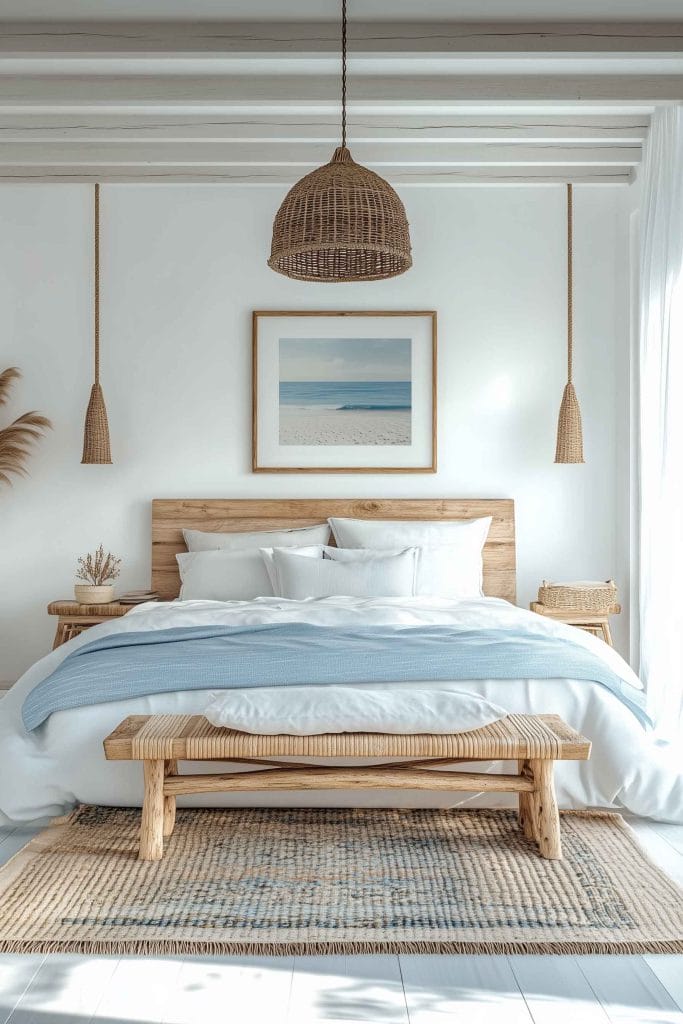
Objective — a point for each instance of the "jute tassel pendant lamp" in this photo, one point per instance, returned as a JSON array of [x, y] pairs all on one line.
[[569, 446], [96, 447], [342, 222]]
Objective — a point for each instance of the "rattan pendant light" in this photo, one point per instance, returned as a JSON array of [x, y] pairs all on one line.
[[96, 448], [569, 446], [342, 222]]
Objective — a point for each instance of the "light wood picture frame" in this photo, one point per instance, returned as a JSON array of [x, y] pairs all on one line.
[[345, 391]]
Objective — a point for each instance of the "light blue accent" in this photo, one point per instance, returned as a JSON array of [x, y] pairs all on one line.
[[122, 666]]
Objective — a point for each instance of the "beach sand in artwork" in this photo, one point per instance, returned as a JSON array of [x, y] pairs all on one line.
[[313, 425]]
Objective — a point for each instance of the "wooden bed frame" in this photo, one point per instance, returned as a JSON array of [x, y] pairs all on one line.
[[224, 515], [160, 741]]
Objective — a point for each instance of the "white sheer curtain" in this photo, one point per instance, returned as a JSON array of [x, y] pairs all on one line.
[[661, 420]]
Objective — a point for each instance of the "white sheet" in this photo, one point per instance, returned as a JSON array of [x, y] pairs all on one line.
[[62, 763]]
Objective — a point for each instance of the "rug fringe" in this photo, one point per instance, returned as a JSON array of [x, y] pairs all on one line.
[[188, 947]]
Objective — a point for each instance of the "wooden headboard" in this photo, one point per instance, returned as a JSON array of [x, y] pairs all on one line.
[[227, 515]]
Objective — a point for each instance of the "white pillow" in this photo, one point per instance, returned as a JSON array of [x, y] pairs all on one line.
[[359, 554], [223, 575], [450, 562], [199, 540], [312, 710], [300, 577], [315, 551]]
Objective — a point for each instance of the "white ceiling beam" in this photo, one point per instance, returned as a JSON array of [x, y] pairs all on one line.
[[444, 103], [202, 38], [219, 92], [284, 176], [416, 129], [304, 156]]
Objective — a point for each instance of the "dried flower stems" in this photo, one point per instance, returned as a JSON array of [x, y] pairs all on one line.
[[98, 568]]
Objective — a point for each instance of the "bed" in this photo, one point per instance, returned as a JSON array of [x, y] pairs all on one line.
[[58, 761]]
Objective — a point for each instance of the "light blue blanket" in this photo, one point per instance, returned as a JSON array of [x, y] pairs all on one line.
[[127, 665]]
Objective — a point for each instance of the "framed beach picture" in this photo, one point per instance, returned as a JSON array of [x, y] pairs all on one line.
[[344, 392]]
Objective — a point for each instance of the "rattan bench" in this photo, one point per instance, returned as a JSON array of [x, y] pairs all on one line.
[[160, 741]]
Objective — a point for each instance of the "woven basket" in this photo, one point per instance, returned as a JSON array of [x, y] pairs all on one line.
[[341, 222], [582, 596]]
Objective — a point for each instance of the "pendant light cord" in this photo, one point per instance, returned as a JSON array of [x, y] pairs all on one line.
[[97, 284], [570, 284], [343, 81]]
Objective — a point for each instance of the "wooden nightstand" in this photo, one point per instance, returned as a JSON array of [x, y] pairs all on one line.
[[592, 622], [75, 617]]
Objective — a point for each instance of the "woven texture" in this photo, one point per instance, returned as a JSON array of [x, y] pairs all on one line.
[[342, 222], [192, 737], [569, 446], [574, 597], [112, 608], [96, 447], [334, 880]]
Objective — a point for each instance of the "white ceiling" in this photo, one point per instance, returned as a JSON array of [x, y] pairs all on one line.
[[314, 10], [144, 94]]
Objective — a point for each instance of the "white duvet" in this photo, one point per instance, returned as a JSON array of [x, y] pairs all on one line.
[[62, 763]]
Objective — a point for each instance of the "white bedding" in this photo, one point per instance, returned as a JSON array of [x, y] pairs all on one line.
[[62, 762]]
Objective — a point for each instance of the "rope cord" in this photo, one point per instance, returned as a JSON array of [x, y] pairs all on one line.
[[570, 284], [97, 284], [343, 81]]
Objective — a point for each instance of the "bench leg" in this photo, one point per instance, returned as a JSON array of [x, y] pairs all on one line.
[[547, 814], [170, 768], [152, 828], [526, 807]]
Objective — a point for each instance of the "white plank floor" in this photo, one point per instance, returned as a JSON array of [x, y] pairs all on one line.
[[70, 989]]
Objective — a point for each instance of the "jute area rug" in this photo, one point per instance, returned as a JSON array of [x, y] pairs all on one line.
[[272, 881]]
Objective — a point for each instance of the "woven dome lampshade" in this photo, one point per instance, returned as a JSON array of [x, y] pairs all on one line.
[[569, 446], [342, 222], [96, 447]]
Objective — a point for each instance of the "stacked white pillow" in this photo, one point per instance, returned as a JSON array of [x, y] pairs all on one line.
[[375, 575], [200, 540], [223, 575], [450, 553], [268, 556], [372, 558], [230, 566]]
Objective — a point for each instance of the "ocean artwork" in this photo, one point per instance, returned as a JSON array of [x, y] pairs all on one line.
[[345, 391]]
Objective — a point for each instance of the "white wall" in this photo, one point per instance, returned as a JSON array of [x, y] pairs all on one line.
[[182, 269]]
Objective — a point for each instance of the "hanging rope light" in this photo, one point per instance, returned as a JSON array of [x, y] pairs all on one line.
[[342, 222], [569, 432], [96, 448]]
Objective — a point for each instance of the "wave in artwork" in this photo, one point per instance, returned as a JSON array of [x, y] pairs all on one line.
[[337, 411]]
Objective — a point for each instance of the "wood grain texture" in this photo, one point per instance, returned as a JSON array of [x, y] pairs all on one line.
[[152, 826], [348, 779], [126, 38], [545, 811], [525, 807], [170, 769], [228, 515]]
